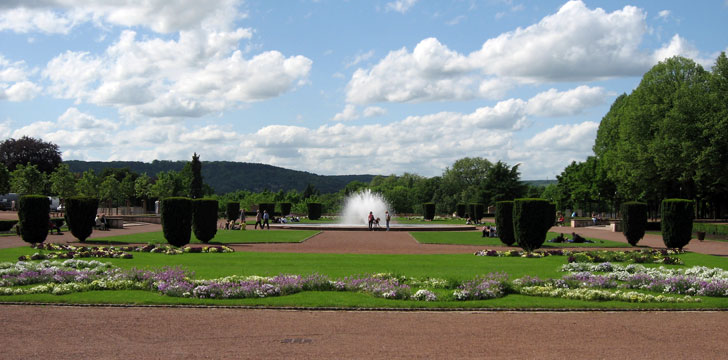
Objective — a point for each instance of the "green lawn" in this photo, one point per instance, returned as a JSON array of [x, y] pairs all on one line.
[[475, 238], [456, 267], [221, 237], [437, 221]]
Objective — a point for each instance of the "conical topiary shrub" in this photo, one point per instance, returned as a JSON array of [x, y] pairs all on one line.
[[177, 220], [634, 221], [80, 215], [677, 222], [232, 210], [314, 211], [532, 219], [429, 211], [34, 215], [504, 222], [204, 219]]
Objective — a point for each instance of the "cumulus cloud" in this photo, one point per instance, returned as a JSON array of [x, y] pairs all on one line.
[[73, 131], [553, 103], [574, 44], [14, 83], [197, 74], [400, 6], [162, 16], [350, 112], [678, 46]]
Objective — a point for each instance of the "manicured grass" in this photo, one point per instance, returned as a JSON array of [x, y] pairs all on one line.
[[475, 238], [458, 267], [436, 221], [222, 237]]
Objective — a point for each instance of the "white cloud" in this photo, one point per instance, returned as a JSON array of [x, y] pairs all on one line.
[[663, 14], [372, 111], [14, 83], [579, 137], [678, 46], [349, 113], [553, 103], [162, 16], [74, 131], [197, 74], [401, 6], [574, 44], [361, 57]]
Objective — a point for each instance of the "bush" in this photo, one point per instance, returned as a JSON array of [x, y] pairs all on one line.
[[269, 207], [232, 210], [285, 208], [532, 219], [6, 225], [429, 211], [634, 221], [34, 218], [177, 220], [677, 222], [81, 215], [477, 210], [504, 222], [314, 211], [204, 219], [461, 209]]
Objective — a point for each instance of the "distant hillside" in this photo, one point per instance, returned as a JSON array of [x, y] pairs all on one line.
[[540, 182], [228, 176]]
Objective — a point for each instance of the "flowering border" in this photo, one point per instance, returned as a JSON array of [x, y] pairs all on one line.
[[62, 251], [645, 256]]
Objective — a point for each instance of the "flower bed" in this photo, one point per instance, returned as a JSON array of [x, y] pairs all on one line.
[[651, 256], [62, 251]]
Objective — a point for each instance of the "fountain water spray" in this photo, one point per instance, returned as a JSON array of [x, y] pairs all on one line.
[[358, 206]]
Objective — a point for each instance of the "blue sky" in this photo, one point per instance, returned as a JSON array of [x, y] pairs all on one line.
[[336, 87]]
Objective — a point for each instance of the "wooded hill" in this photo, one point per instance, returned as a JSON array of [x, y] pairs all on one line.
[[228, 176]]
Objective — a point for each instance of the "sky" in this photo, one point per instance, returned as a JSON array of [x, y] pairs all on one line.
[[336, 87]]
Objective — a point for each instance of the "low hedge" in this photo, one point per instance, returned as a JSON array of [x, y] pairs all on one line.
[[715, 229], [6, 225]]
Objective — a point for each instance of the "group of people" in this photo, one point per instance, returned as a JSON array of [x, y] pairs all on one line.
[[489, 231], [100, 222], [575, 238], [374, 222]]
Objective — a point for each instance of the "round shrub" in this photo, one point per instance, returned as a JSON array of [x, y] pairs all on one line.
[[429, 211], [177, 220], [504, 222], [314, 211], [461, 210], [232, 210], [80, 215], [634, 221], [677, 222], [34, 216], [285, 208], [532, 219], [204, 219]]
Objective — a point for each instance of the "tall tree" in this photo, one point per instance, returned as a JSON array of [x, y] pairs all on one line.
[[88, 184], [196, 183], [27, 150], [27, 179], [63, 182]]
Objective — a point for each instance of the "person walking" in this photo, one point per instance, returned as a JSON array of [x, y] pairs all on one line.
[[258, 217], [371, 220], [265, 219], [387, 218]]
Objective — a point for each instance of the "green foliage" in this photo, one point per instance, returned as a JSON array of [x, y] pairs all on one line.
[[285, 208], [4, 179], [314, 211], [27, 150], [63, 183], [532, 219], [504, 222], [88, 184], [34, 217], [232, 210], [143, 186], [428, 211], [677, 222], [27, 179], [715, 229], [634, 221], [204, 219], [80, 215], [109, 191], [177, 220]]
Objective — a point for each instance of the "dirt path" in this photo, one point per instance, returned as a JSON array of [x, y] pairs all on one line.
[[143, 333]]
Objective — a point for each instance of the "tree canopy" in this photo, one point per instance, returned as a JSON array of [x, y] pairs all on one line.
[[27, 150]]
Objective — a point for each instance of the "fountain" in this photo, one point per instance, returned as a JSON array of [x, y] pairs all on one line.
[[357, 208]]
